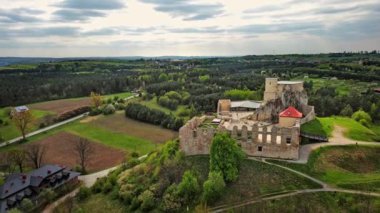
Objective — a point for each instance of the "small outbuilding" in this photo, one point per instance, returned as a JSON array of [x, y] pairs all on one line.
[[289, 117]]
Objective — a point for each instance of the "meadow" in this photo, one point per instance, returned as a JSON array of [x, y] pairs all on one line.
[[354, 130], [353, 167]]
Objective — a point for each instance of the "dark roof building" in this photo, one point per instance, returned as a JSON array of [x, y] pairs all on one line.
[[20, 186]]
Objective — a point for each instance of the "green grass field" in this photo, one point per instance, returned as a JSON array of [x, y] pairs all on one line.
[[10, 131], [354, 130], [354, 167]]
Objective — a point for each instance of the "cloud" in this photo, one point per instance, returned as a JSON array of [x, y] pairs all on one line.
[[19, 15], [92, 4], [40, 32], [186, 10], [76, 15]]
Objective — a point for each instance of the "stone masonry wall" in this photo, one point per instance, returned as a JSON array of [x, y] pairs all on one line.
[[259, 141]]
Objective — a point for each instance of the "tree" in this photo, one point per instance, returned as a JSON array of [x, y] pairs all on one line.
[[213, 187], [35, 153], [189, 187], [84, 150], [18, 157], [22, 120], [96, 99], [347, 111], [225, 156], [362, 117], [26, 205]]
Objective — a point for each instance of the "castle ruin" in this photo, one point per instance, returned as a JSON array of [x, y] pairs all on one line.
[[268, 128]]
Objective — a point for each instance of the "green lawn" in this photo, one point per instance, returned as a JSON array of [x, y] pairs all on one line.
[[354, 130], [354, 167], [10, 131], [110, 138]]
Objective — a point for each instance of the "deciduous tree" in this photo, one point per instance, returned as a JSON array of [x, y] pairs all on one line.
[[96, 99], [84, 150], [22, 121], [35, 153]]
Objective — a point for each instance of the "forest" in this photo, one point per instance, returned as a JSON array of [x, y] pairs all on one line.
[[198, 83]]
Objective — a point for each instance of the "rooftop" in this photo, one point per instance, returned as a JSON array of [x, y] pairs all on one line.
[[291, 112], [246, 104], [289, 82], [21, 108]]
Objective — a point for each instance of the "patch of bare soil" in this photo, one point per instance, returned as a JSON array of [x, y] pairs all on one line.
[[60, 106], [119, 123], [60, 150]]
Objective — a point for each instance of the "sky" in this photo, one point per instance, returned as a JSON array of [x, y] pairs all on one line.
[[83, 28]]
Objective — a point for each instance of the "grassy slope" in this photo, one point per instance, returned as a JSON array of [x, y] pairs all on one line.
[[10, 131], [355, 130], [356, 167], [316, 202], [255, 179]]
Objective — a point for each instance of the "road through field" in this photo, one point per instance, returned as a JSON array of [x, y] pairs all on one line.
[[6, 143]]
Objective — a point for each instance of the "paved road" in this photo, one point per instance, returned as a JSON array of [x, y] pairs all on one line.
[[6, 143], [43, 129]]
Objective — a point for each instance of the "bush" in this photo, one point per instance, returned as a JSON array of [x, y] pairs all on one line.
[[147, 200], [213, 187], [225, 156], [95, 111], [134, 155], [26, 205], [188, 188], [98, 186], [109, 109], [107, 187], [362, 117], [72, 113], [171, 201], [83, 193], [48, 195]]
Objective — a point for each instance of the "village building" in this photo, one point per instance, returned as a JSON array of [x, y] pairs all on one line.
[[20, 186], [268, 128]]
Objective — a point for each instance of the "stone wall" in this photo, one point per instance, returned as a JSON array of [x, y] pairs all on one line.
[[274, 142], [308, 112]]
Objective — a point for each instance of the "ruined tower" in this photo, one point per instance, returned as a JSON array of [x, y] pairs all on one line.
[[270, 92]]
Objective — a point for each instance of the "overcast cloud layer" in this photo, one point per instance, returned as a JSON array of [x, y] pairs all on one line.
[[68, 28]]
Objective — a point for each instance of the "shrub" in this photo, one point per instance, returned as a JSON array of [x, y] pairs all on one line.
[[134, 155], [26, 205], [109, 109], [107, 187], [73, 113], [225, 156], [98, 186], [147, 200], [48, 195], [171, 201], [188, 188], [361, 115], [95, 111], [83, 193], [346, 111], [213, 187]]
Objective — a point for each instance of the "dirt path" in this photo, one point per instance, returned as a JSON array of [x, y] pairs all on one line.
[[337, 139], [325, 188]]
